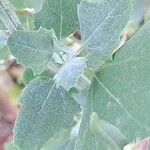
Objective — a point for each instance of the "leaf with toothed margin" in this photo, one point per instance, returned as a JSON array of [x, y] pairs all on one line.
[[45, 110], [119, 93], [101, 23], [32, 49], [58, 14], [69, 74]]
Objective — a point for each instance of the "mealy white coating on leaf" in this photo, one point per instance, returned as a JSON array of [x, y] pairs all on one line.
[[32, 49], [101, 23], [58, 14], [70, 72], [45, 110], [3, 38], [8, 16], [120, 93]]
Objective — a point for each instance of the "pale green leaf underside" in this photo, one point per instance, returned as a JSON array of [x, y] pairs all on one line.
[[101, 23], [8, 16], [45, 110], [58, 14], [69, 74], [120, 91], [32, 49]]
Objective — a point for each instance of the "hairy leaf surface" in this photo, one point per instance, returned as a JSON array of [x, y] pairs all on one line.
[[8, 16], [3, 38], [32, 49], [45, 110], [58, 14], [70, 73], [119, 95], [101, 23], [120, 91]]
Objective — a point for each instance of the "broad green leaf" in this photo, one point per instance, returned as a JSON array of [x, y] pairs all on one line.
[[69, 74], [120, 91], [45, 110], [3, 38], [97, 134], [32, 49], [58, 14], [8, 16], [101, 23]]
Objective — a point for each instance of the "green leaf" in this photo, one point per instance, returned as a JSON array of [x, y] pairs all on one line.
[[32, 49], [61, 141], [36, 4], [3, 38], [120, 91], [86, 140], [45, 110], [138, 12], [69, 74], [107, 133], [58, 14], [8, 16], [10, 146], [61, 47], [101, 23], [97, 134]]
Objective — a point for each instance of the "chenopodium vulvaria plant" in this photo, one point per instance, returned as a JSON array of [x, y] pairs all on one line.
[[93, 97]]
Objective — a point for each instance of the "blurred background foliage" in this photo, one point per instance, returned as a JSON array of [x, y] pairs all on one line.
[[13, 77]]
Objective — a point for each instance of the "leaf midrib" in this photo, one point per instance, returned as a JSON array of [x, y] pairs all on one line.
[[104, 21]]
